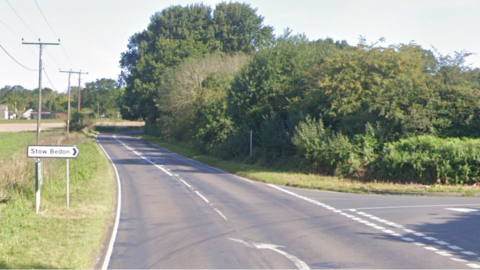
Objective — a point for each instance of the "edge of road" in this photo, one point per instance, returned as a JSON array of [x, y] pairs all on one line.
[[107, 246]]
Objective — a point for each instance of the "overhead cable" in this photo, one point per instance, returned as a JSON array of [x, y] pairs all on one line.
[[21, 19], [46, 19], [16, 60], [51, 28], [51, 84]]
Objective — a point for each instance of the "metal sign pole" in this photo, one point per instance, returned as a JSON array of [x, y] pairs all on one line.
[[68, 182], [38, 184]]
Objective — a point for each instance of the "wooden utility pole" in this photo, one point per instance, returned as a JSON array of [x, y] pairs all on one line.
[[39, 163], [80, 90], [40, 69]]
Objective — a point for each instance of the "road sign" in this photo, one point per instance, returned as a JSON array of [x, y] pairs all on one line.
[[52, 151]]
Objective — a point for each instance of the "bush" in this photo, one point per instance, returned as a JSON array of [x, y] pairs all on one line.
[[429, 160], [327, 150], [79, 122]]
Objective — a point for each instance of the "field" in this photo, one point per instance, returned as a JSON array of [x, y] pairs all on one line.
[[59, 237]]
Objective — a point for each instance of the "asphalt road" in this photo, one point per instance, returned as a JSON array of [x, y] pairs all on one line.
[[177, 213]]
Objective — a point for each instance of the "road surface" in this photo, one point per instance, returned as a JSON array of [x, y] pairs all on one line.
[[177, 213]]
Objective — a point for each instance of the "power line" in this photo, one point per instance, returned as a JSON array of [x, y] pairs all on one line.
[[68, 58], [21, 18], [51, 28], [31, 50], [45, 71], [16, 60], [46, 19], [10, 29], [55, 60]]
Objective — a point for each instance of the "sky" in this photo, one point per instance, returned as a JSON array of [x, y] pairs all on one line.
[[94, 33]]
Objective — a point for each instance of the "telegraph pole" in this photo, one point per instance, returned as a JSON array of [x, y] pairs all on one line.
[[80, 90], [69, 110], [40, 69], [68, 123], [39, 163]]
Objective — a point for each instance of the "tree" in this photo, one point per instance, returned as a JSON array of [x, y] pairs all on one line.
[[239, 28], [101, 96], [177, 33]]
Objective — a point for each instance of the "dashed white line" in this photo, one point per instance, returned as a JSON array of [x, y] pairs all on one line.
[[201, 196], [167, 171], [220, 213]]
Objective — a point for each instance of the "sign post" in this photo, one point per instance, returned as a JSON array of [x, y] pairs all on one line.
[[38, 183], [50, 151]]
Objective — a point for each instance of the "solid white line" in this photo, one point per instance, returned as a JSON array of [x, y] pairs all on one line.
[[108, 255], [201, 196]]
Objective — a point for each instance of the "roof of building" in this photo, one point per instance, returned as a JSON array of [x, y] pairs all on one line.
[[3, 108]]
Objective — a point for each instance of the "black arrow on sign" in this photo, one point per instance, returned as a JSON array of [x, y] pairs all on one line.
[[74, 151]]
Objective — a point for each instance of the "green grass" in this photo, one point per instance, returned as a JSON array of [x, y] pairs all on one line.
[[310, 181], [61, 237], [11, 143]]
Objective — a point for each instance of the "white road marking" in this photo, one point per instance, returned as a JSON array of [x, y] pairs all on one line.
[[108, 255], [176, 176], [410, 240], [185, 183], [201, 196], [458, 259], [298, 263], [455, 248], [220, 213], [444, 253], [464, 210]]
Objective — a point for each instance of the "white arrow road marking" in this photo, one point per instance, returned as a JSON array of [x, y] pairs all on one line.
[[298, 263], [465, 210]]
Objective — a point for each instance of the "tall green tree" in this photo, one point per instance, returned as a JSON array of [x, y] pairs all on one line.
[[239, 28], [174, 34]]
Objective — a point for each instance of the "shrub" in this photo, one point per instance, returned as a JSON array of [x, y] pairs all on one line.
[[429, 159], [325, 149]]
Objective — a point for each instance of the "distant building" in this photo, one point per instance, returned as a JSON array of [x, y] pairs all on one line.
[[47, 114], [3, 112]]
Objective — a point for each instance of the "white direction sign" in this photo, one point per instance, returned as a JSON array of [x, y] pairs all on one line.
[[52, 151]]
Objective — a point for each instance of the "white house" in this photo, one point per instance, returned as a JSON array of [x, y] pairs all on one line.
[[3, 112]]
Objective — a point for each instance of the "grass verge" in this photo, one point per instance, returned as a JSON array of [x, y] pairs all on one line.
[[313, 181], [11, 143], [60, 237]]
